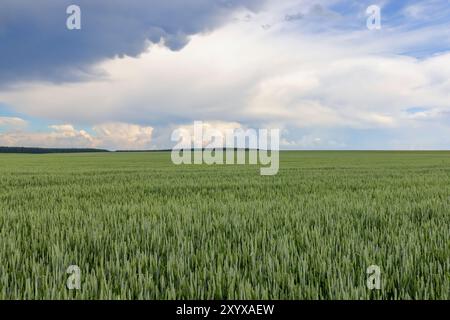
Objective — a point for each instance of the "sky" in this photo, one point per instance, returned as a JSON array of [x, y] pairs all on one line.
[[138, 70]]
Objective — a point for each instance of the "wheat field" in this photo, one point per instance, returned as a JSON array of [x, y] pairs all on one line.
[[139, 227]]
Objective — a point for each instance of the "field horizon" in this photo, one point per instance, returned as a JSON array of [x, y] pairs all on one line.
[[44, 150]]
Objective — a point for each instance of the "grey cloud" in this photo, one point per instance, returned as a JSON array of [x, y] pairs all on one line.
[[36, 45], [293, 17]]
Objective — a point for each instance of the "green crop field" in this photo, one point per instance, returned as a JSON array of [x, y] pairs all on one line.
[[140, 227]]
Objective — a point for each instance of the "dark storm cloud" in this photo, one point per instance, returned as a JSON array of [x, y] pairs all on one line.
[[35, 43]]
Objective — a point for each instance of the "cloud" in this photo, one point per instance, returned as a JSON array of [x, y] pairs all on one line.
[[220, 76], [111, 136], [123, 136], [35, 43], [62, 136], [311, 142], [186, 137], [14, 122]]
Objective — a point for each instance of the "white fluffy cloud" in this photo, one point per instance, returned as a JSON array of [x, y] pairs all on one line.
[[185, 136], [109, 135], [6, 122], [64, 136], [123, 136]]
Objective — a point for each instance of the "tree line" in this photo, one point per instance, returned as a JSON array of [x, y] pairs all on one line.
[[47, 150]]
